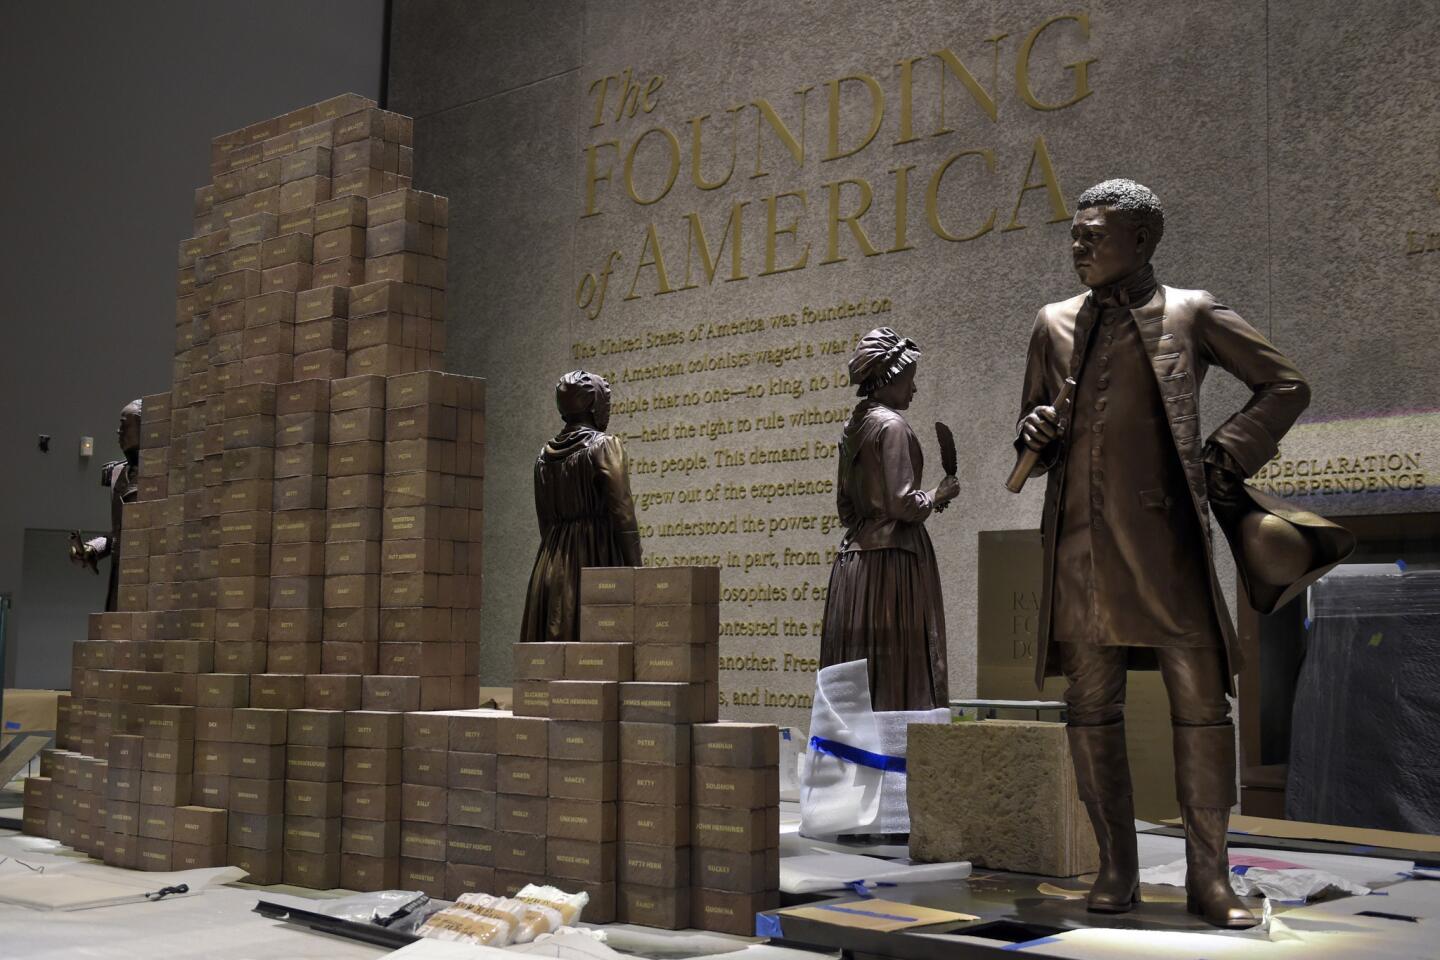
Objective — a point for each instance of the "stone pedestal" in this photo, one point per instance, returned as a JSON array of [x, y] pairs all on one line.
[[999, 793]]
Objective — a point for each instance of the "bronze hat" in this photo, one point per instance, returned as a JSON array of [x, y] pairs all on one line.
[[1280, 549], [879, 357], [580, 391]]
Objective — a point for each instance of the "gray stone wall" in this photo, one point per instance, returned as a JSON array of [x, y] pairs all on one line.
[[1292, 143]]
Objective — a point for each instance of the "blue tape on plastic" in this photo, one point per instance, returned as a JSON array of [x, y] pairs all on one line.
[[1402, 565], [858, 888], [1031, 943], [12, 725], [1307, 623], [1242, 869], [767, 925], [784, 733], [864, 758]]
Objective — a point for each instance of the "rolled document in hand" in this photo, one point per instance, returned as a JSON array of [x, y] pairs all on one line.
[[1028, 458]]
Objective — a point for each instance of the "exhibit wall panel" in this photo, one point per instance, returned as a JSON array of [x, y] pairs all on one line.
[[911, 164], [110, 110]]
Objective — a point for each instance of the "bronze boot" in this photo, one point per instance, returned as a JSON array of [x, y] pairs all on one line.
[[1102, 775], [1205, 782]]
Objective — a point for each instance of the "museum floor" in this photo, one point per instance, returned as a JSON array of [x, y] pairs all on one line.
[[1394, 922]]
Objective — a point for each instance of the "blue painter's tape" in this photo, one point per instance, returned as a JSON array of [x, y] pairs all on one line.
[[767, 925], [858, 888], [12, 725], [1031, 943], [864, 758], [784, 733], [1307, 623], [1402, 565]]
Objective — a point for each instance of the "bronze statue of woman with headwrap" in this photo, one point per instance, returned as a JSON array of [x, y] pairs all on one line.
[[884, 602], [582, 498]]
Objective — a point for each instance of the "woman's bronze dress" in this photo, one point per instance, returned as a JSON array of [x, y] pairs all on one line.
[[587, 519], [884, 603]]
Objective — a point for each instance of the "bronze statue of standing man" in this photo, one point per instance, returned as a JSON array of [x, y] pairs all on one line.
[[884, 603], [1129, 576], [582, 500], [122, 477]]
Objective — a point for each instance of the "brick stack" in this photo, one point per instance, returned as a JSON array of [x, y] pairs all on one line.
[[370, 829], [315, 275]]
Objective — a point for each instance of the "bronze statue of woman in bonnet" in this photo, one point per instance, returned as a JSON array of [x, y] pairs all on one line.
[[884, 602], [582, 499]]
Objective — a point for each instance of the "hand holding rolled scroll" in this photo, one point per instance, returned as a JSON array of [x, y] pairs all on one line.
[[1040, 428]]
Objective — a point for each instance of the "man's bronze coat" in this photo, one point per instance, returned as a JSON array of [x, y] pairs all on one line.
[[1184, 332]]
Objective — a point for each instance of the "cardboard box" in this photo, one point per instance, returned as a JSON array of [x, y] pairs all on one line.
[[471, 808], [312, 834], [676, 663], [521, 814], [355, 392], [169, 756], [663, 586], [370, 838], [309, 798], [667, 908], [667, 703], [424, 731], [373, 729], [423, 803], [240, 656], [169, 722], [583, 779], [580, 860], [654, 824], [735, 788], [607, 624], [472, 846], [351, 557], [371, 801], [469, 771], [592, 820], [725, 912], [124, 753], [583, 740], [695, 624], [733, 744]]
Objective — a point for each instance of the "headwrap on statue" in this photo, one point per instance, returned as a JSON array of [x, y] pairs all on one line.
[[580, 392], [880, 357]]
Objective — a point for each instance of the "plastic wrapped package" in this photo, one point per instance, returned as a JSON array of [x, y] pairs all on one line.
[[547, 909], [477, 918], [1365, 741]]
